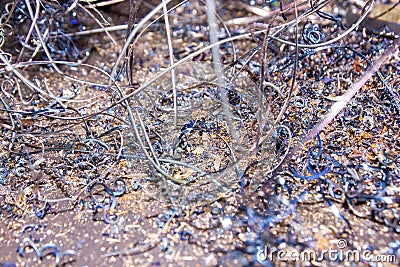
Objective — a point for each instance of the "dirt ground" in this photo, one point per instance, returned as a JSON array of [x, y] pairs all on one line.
[[95, 171]]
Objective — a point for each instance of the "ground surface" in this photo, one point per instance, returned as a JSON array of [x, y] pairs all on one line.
[[77, 188]]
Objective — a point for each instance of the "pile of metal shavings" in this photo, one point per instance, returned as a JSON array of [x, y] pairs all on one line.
[[204, 139], [77, 187]]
